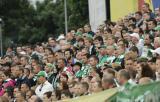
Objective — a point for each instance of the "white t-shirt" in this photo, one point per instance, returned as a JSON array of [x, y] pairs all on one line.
[[43, 88]]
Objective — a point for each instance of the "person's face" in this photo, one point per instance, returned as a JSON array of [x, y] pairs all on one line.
[[92, 62], [50, 58], [144, 8], [84, 59], [19, 49], [41, 79], [53, 97], [67, 54], [3, 76], [86, 28], [24, 88], [81, 43], [137, 16], [28, 95], [60, 64], [97, 43], [79, 56], [110, 41], [150, 25], [87, 43], [45, 98], [110, 50], [69, 36], [134, 40], [158, 64], [102, 51], [58, 55], [84, 51], [76, 89], [119, 78], [47, 69], [52, 42], [147, 40], [95, 87], [156, 42], [15, 59], [129, 64], [98, 32], [19, 97], [36, 69], [76, 68], [23, 61], [120, 50], [64, 97], [33, 98], [126, 36], [41, 50], [80, 89], [152, 65], [7, 59], [105, 85], [63, 78], [146, 16], [17, 72]]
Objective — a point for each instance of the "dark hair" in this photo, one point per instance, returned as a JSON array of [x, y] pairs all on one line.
[[87, 55], [95, 57], [50, 49], [147, 71], [49, 94], [132, 25], [112, 71], [109, 80], [78, 64], [70, 51], [139, 13], [99, 38], [133, 19], [134, 49], [153, 21], [67, 93], [80, 39], [85, 85]]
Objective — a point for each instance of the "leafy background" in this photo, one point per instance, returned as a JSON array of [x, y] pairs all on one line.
[[23, 23]]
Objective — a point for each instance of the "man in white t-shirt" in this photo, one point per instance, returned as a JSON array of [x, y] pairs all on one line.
[[44, 86]]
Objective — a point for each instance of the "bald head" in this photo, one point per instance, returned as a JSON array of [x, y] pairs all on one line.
[[145, 80]]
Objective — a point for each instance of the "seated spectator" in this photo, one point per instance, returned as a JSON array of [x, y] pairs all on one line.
[[44, 86]]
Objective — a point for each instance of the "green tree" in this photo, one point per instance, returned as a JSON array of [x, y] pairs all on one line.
[[23, 23]]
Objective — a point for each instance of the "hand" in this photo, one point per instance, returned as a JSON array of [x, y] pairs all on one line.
[[31, 75]]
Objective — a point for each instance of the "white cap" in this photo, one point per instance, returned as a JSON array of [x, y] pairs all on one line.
[[135, 35], [157, 50], [22, 53], [60, 37]]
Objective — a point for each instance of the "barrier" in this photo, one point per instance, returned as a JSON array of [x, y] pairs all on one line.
[[139, 93]]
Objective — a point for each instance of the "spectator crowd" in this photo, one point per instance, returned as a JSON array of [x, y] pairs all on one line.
[[82, 62]]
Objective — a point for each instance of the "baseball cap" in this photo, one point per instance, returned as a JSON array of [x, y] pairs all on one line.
[[41, 73], [135, 35], [49, 65], [157, 50], [157, 28], [60, 37]]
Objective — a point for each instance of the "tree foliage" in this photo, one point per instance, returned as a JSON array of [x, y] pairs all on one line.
[[25, 24]]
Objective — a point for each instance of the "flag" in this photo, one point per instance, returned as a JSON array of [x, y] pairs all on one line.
[[121, 8]]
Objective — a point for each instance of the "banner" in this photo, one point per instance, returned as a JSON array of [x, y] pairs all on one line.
[[97, 97], [97, 13], [139, 93]]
